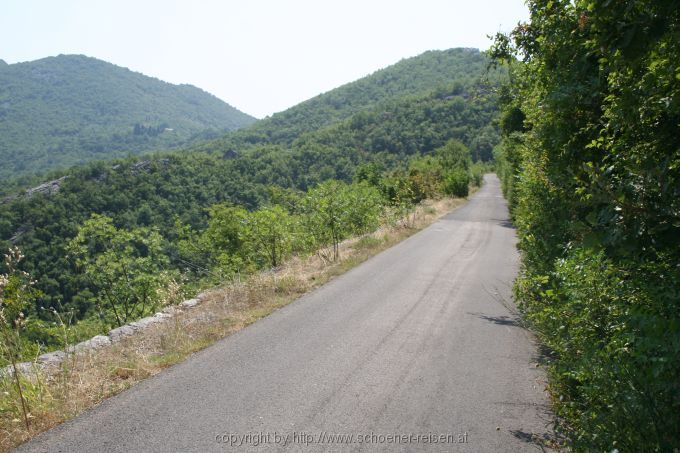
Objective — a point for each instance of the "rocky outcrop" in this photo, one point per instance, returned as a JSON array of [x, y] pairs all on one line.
[[47, 188]]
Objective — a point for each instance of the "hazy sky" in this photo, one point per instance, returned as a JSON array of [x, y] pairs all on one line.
[[260, 56]]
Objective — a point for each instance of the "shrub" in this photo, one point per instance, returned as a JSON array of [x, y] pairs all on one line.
[[456, 183]]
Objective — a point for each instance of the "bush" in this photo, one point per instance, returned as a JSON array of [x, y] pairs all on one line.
[[456, 183], [589, 166], [614, 342], [477, 171]]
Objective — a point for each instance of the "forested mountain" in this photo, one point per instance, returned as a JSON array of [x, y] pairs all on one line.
[[70, 109], [450, 69], [389, 141]]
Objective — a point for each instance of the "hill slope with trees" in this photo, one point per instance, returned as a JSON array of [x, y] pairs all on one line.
[[450, 69], [60, 111], [196, 208]]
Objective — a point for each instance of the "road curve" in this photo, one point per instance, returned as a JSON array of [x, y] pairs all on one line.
[[415, 349]]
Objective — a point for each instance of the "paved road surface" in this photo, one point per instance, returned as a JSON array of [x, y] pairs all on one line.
[[417, 341]]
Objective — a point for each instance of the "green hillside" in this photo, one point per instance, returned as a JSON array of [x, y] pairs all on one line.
[[62, 111], [390, 142], [448, 69]]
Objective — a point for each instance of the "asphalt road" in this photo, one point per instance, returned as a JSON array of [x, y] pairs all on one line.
[[415, 344]]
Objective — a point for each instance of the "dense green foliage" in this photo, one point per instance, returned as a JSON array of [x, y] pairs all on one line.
[[453, 70], [102, 272], [333, 211], [66, 110], [222, 213], [124, 268], [590, 161]]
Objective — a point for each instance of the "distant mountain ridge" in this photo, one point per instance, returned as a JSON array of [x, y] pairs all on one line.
[[66, 110], [415, 76]]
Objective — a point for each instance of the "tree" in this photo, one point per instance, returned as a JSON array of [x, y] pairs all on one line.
[[334, 210], [326, 208], [455, 161], [268, 235], [425, 177], [123, 266], [454, 155], [223, 239], [369, 173], [365, 207]]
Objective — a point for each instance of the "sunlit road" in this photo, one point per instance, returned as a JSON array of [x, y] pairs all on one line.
[[416, 349]]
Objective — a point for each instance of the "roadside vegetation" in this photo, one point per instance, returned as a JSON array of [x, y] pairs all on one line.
[[589, 162], [125, 271], [265, 213], [36, 400], [194, 218]]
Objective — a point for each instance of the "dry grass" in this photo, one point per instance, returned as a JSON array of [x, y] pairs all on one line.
[[86, 379]]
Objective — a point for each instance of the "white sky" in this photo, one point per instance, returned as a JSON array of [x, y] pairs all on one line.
[[261, 56]]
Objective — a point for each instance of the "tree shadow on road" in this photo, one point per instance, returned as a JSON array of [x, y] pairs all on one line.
[[543, 442], [505, 223], [500, 320], [543, 355]]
